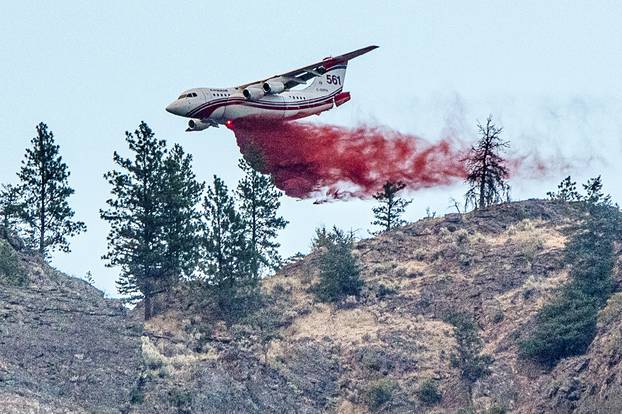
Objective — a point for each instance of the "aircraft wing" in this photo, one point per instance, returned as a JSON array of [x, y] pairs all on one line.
[[302, 75]]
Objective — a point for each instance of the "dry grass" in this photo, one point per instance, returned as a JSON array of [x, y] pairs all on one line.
[[612, 311], [296, 284], [531, 234], [518, 308], [347, 326]]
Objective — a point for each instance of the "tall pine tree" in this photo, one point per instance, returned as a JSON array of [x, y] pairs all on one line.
[[226, 253], [154, 225], [389, 213], [259, 203], [45, 192], [486, 170], [180, 216]]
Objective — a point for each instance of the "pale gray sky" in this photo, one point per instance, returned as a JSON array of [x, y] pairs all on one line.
[[548, 71]]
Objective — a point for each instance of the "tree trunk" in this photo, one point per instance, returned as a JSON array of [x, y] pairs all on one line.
[[42, 171], [148, 305], [254, 261], [482, 185]]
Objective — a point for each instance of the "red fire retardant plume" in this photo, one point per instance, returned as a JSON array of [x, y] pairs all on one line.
[[311, 160]]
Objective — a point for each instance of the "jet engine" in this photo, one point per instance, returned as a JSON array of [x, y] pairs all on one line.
[[197, 125], [253, 93], [273, 87]]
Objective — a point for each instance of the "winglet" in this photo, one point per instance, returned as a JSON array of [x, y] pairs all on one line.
[[332, 61], [352, 55]]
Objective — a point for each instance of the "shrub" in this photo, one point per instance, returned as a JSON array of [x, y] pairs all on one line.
[[612, 311], [181, 400], [498, 316], [469, 360], [152, 358], [11, 271], [384, 291], [429, 393], [462, 237], [496, 409], [339, 270], [379, 393], [532, 247], [137, 396], [564, 327]]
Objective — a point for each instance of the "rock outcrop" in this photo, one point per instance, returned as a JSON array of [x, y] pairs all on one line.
[[64, 348]]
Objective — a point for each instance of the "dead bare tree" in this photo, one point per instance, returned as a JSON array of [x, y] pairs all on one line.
[[487, 173]]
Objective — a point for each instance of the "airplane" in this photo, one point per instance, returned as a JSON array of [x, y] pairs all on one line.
[[274, 98]]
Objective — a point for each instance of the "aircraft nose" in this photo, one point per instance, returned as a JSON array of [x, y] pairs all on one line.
[[173, 108]]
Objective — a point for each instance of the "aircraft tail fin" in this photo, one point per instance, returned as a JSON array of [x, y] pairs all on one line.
[[334, 71], [331, 80]]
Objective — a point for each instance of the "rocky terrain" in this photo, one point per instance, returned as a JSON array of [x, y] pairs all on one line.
[[66, 348]]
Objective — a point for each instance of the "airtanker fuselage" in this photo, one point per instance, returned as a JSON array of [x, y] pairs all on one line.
[[215, 106]]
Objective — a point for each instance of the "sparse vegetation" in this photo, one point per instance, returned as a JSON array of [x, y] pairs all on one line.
[[11, 271], [469, 359], [566, 191], [11, 207]]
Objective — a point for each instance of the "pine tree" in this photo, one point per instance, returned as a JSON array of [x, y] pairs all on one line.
[[259, 203], [226, 253], [136, 242], [45, 192], [388, 214], [339, 270], [567, 325], [594, 195], [180, 216], [468, 358], [566, 191], [486, 170], [11, 207]]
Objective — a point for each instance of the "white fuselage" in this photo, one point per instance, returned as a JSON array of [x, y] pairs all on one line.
[[213, 106]]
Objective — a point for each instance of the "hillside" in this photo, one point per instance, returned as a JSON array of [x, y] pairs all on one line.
[[66, 348]]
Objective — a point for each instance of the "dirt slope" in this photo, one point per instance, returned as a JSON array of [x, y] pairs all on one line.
[[295, 355]]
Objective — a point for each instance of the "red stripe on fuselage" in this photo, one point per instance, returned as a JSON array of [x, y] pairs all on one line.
[[206, 109]]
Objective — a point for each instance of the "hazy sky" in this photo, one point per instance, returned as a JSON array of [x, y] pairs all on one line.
[[550, 73]]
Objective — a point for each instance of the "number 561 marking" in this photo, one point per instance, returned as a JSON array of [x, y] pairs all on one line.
[[333, 79]]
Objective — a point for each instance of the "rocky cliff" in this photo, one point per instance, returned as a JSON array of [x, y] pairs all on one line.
[[65, 348]]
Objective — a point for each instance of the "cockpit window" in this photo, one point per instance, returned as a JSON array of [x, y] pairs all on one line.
[[187, 95]]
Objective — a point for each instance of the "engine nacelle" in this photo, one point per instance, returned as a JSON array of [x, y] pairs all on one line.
[[197, 125], [273, 87], [253, 93]]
